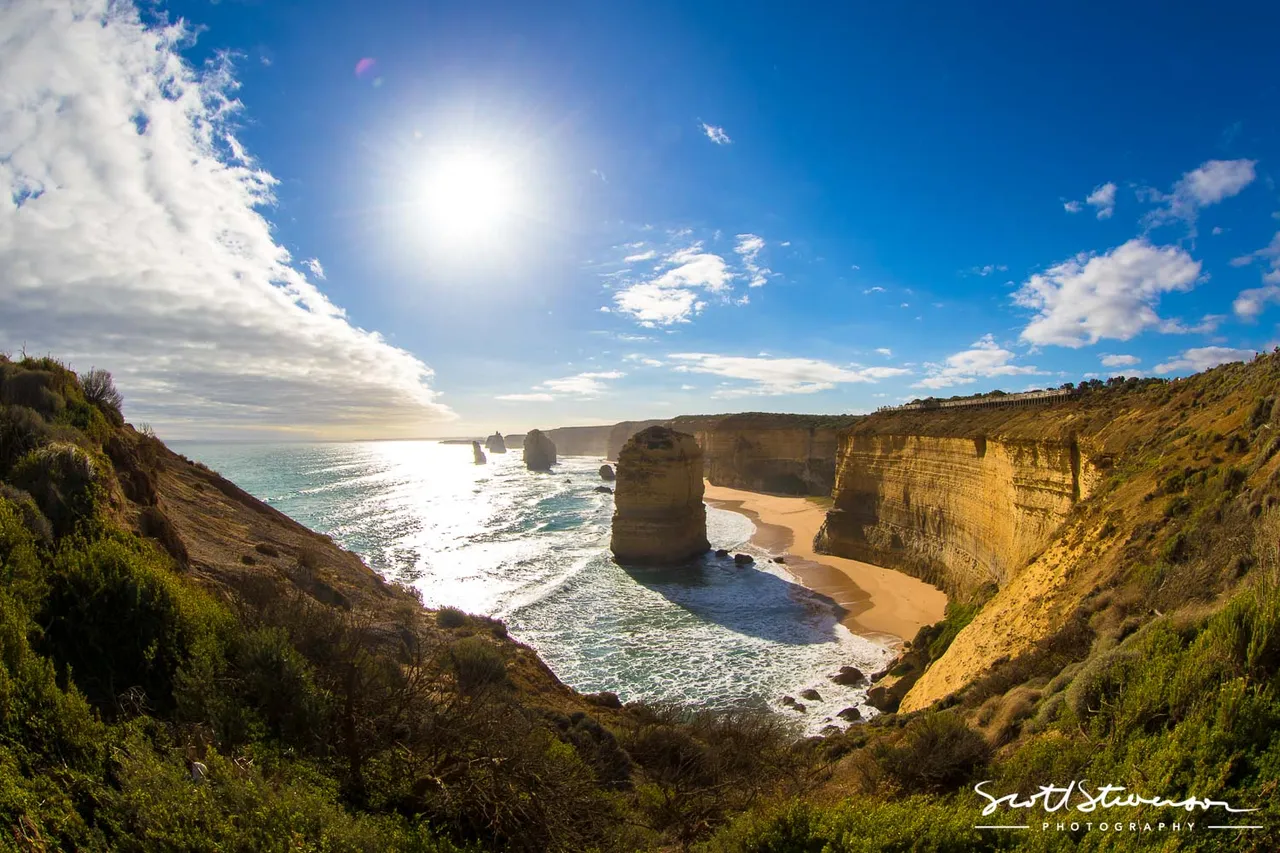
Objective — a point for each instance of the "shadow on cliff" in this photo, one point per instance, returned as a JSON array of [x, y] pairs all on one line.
[[747, 600]]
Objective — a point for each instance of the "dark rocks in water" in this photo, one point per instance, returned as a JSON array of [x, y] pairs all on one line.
[[743, 559], [799, 708], [658, 513], [788, 701], [495, 443], [849, 676], [604, 490], [779, 560], [539, 451], [477, 454], [810, 694], [606, 473], [850, 714], [722, 553]]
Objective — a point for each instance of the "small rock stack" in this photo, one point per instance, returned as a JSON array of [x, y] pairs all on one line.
[[539, 451]]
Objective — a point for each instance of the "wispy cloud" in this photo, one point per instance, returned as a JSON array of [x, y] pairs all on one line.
[[1113, 295], [132, 237], [1203, 358], [1252, 302], [748, 247], [988, 269], [876, 289], [1207, 184], [884, 351], [775, 376], [984, 359], [1119, 360], [647, 255], [1103, 200], [581, 386], [716, 134], [316, 268]]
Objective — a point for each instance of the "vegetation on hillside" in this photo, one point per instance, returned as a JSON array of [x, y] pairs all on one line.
[[321, 722]]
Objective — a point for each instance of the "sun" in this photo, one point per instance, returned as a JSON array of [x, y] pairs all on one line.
[[469, 195]]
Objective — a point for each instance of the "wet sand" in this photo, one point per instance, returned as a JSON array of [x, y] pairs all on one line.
[[880, 604]]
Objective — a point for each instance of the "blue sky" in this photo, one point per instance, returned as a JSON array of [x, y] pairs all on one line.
[[348, 219]]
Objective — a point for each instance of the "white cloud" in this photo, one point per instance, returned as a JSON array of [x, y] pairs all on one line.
[[749, 246], [1114, 295], [316, 268], [526, 398], [1103, 199], [1209, 183], [876, 289], [1217, 230], [647, 255], [652, 305], [1250, 303], [1119, 360], [884, 351], [582, 386], [988, 269], [687, 388], [642, 359], [1203, 358], [774, 376], [984, 359], [146, 252], [1072, 206], [716, 134], [671, 296]]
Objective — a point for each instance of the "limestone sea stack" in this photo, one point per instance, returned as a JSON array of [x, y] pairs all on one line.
[[606, 473], [495, 443], [477, 454], [539, 451], [658, 513]]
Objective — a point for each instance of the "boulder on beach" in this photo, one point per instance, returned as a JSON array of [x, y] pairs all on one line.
[[477, 454], [722, 553], [810, 694], [743, 559], [658, 513], [849, 676], [495, 443], [606, 473], [539, 451], [850, 714]]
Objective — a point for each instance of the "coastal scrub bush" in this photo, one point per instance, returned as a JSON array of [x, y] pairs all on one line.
[[21, 431], [476, 663], [451, 617], [100, 390], [936, 752], [63, 480], [118, 620]]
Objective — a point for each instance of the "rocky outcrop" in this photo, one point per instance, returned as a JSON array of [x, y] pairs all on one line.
[[779, 454], [539, 451], [477, 454], [959, 512], [606, 473], [495, 443], [658, 514]]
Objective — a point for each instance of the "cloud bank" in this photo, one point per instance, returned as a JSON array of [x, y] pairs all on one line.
[[132, 238]]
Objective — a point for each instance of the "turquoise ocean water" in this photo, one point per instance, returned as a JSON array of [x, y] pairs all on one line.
[[533, 550]]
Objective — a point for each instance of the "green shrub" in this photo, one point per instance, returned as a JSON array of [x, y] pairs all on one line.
[[936, 752], [21, 431], [33, 388], [451, 617], [63, 480], [118, 620], [1176, 506], [476, 663], [100, 390]]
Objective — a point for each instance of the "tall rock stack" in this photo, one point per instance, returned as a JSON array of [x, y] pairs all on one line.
[[658, 514], [477, 454], [495, 443], [539, 451]]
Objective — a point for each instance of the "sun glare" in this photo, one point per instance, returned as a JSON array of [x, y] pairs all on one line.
[[469, 195]]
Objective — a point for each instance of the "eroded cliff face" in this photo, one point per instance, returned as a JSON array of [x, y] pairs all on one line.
[[779, 454], [658, 514], [959, 512]]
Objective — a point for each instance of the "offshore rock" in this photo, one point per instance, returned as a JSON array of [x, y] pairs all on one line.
[[477, 454], [606, 473], [495, 443], [539, 451], [658, 514]]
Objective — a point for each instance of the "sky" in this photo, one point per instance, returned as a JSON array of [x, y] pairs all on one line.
[[414, 219]]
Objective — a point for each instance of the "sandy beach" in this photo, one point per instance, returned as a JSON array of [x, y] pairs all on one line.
[[879, 603]]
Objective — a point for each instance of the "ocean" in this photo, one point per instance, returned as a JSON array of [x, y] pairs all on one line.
[[533, 550]]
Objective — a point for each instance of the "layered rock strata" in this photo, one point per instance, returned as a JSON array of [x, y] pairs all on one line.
[[658, 515]]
